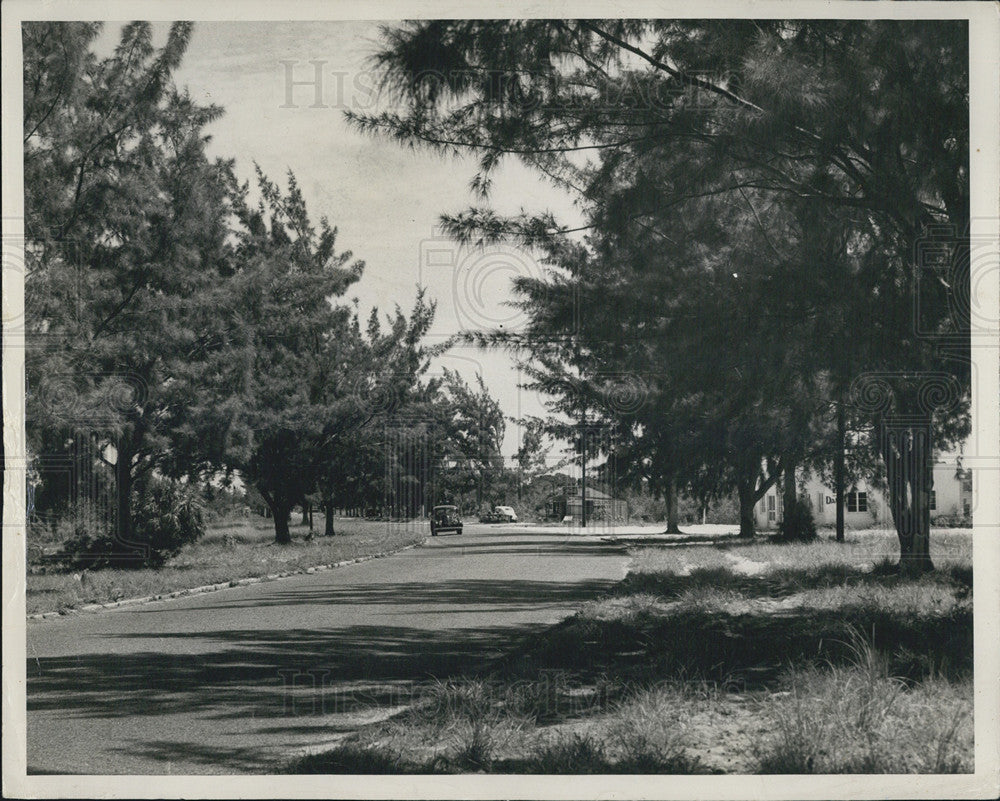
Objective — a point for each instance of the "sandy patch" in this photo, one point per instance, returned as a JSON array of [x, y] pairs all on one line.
[[746, 567]]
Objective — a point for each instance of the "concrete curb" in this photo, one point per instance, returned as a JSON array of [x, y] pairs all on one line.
[[222, 585]]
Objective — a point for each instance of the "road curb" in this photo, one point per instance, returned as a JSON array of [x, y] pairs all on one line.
[[222, 585]]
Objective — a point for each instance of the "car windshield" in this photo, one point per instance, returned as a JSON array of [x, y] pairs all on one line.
[[444, 512]]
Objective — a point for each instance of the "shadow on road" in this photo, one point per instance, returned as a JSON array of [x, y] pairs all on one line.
[[254, 673], [457, 596], [266, 682]]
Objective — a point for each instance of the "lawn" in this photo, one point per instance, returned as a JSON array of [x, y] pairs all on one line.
[[229, 551], [757, 658]]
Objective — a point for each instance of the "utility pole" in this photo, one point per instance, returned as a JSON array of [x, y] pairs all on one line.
[[838, 469], [583, 473]]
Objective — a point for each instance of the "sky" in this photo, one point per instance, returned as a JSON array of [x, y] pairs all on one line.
[[384, 199]]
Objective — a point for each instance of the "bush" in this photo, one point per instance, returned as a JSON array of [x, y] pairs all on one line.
[[166, 516], [350, 758], [952, 521], [580, 753], [224, 503], [78, 526], [861, 719], [724, 510], [798, 523]]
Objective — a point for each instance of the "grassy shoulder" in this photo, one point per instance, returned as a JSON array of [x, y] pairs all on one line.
[[756, 658], [230, 550]]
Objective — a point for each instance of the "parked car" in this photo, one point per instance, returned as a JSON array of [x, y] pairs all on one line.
[[445, 518], [499, 514]]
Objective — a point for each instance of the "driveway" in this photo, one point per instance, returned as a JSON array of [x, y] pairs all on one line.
[[236, 681]]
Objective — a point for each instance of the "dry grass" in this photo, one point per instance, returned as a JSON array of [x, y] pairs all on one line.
[[686, 612], [229, 551], [860, 550], [861, 719], [549, 725], [841, 719], [740, 659]]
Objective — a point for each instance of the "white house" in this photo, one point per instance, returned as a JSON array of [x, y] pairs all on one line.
[[867, 507]]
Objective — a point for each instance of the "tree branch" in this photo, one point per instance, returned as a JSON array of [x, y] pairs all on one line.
[[681, 76]]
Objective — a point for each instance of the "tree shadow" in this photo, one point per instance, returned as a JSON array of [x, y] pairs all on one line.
[[233, 759], [289, 673], [454, 596], [262, 674], [716, 625], [782, 582], [300, 682]]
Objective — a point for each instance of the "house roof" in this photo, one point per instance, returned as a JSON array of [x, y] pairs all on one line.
[[592, 494]]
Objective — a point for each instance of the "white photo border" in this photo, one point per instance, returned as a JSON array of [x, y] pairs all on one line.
[[984, 43]]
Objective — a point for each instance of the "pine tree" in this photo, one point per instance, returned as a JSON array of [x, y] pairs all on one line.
[[838, 115], [291, 343], [126, 229], [380, 414]]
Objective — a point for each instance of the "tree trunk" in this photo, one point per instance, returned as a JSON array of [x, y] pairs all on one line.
[[281, 511], [838, 469], [789, 518], [328, 521], [673, 518], [282, 534], [305, 514], [747, 501], [909, 464]]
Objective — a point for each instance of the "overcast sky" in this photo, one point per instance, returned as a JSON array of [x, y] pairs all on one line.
[[384, 199]]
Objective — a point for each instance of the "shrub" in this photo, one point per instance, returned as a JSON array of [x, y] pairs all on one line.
[[862, 719], [224, 503], [477, 746], [580, 753], [644, 506], [79, 528], [848, 721], [724, 510], [79, 520], [350, 758], [952, 521], [647, 731], [167, 515], [798, 523]]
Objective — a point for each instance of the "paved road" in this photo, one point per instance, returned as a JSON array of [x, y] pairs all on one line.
[[234, 681]]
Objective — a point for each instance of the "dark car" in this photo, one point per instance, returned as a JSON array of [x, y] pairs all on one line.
[[445, 518]]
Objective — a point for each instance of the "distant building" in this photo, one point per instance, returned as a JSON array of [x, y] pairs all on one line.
[[867, 507], [600, 505]]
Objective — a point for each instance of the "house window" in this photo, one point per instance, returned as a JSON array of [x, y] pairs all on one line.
[[857, 501], [933, 500], [770, 503]]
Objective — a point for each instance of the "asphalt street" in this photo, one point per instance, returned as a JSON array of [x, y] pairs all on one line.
[[237, 681]]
